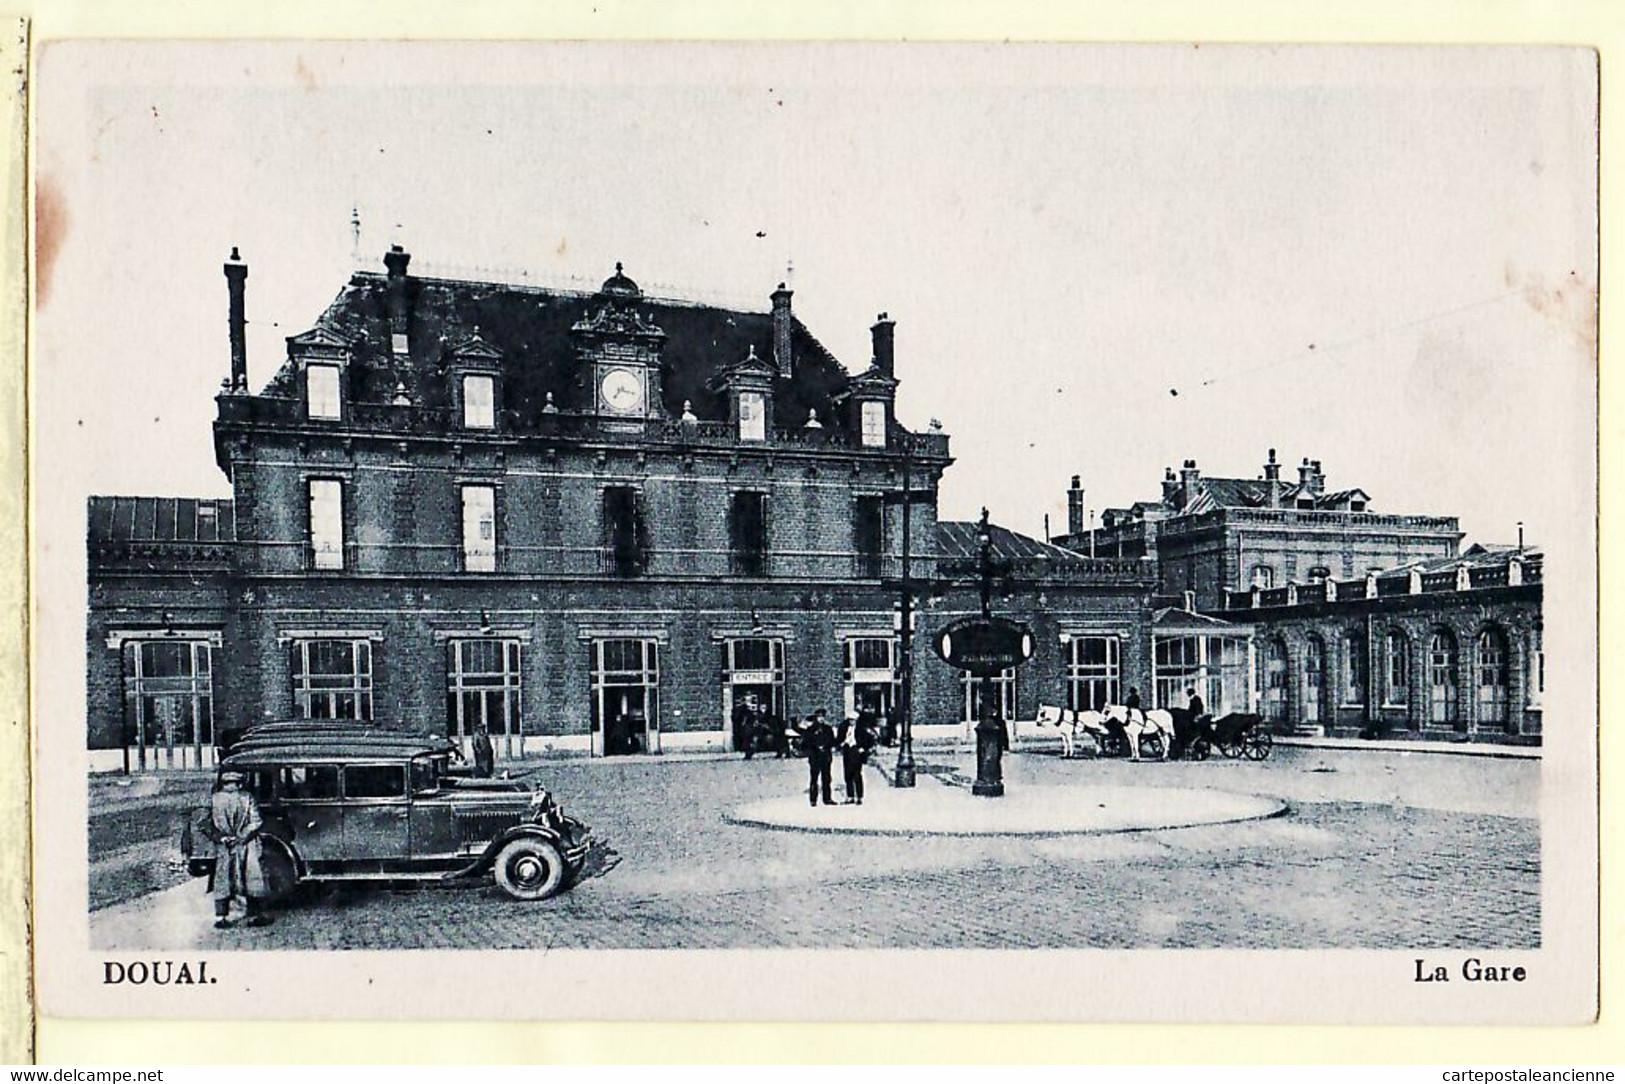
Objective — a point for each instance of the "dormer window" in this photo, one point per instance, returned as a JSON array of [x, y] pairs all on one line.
[[479, 402], [322, 392], [752, 416], [874, 425]]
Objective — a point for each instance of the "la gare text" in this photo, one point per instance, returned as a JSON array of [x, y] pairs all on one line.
[[1472, 970]]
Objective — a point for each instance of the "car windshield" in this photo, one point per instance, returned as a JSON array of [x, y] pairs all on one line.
[[424, 775]]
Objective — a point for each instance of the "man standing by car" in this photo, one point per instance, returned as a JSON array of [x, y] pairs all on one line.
[[857, 741], [818, 739], [485, 755], [234, 826]]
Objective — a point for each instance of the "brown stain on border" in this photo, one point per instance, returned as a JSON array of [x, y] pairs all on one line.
[[50, 229]]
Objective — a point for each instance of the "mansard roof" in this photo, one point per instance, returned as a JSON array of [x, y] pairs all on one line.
[[959, 540], [530, 328]]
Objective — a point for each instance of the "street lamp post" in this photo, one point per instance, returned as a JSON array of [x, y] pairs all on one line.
[[904, 775]]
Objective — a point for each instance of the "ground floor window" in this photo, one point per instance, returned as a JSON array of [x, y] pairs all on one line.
[[1537, 668], [1275, 680], [170, 702], [871, 681], [1213, 664], [1354, 667], [1444, 706], [1314, 678], [1094, 672], [1397, 687], [625, 696], [1492, 673], [752, 685], [332, 679], [483, 688], [970, 694]]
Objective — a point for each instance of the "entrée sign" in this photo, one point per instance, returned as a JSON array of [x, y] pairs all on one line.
[[984, 645]]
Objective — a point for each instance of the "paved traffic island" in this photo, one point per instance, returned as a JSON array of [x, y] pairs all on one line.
[[930, 808]]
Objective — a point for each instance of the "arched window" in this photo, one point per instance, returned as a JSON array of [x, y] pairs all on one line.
[[1263, 577], [1319, 574], [1275, 680], [1490, 671], [1444, 707], [1314, 678], [1397, 678], [1354, 667]]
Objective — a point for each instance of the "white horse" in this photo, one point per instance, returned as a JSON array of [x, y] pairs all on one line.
[[1063, 721], [1156, 721], [1072, 725]]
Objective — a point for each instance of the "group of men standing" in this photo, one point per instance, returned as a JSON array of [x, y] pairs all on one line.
[[856, 740]]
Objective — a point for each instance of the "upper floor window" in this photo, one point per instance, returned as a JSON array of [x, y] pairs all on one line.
[[624, 533], [479, 529], [1263, 577], [874, 425], [326, 523], [752, 416], [322, 391], [869, 535], [1319, 574], [747, 533], [479, 402]]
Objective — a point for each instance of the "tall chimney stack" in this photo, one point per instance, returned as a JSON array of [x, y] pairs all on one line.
[[1074, 507], [883, 331], [1272, 480], [395, 261], [781, 331], [1170, 487], [236, 281], [1188, 477]]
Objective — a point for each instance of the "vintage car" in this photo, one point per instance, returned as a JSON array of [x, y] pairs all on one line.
[[344, 803]]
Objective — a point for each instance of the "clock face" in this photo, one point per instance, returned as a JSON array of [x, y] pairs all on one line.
[[622, 390]]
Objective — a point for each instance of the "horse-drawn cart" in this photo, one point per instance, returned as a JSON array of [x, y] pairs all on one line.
[[1239, 734]]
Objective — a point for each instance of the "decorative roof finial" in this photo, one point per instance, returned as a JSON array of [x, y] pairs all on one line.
[[812, 419], [548, 407], [688, 411]]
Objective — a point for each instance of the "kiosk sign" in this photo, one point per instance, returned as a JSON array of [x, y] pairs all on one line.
[[984, 645]]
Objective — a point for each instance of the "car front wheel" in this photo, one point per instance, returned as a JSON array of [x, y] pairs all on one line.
[[530, 869]]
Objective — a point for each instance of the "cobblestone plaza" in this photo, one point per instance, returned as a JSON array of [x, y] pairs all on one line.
[[1378, 849]]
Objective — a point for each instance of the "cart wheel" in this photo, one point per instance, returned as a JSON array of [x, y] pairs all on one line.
[[1231, 749], [1112, 746], [1258, 745], [1151, 746], [1199, 749]]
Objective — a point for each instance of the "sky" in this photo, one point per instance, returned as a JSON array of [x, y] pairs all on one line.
[[1102, 260]]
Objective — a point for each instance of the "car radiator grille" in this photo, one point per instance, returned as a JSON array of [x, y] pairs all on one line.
[[477, 826]]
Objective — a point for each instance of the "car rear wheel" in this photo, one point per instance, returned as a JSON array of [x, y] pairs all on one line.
[[530, 869], [280, 872]]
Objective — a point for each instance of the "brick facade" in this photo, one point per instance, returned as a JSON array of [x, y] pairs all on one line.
[[616, 457]]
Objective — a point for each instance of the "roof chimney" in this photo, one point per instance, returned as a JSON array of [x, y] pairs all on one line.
[[1188, 477], [1272, 480], [781, 331], [883, 331], [395, 260], [236, 281], [1170, 486], [1074, 507]]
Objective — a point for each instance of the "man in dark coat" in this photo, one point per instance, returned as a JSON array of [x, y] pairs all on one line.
[[485, 756], [232, 823], [818, 739], [857, 740]]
